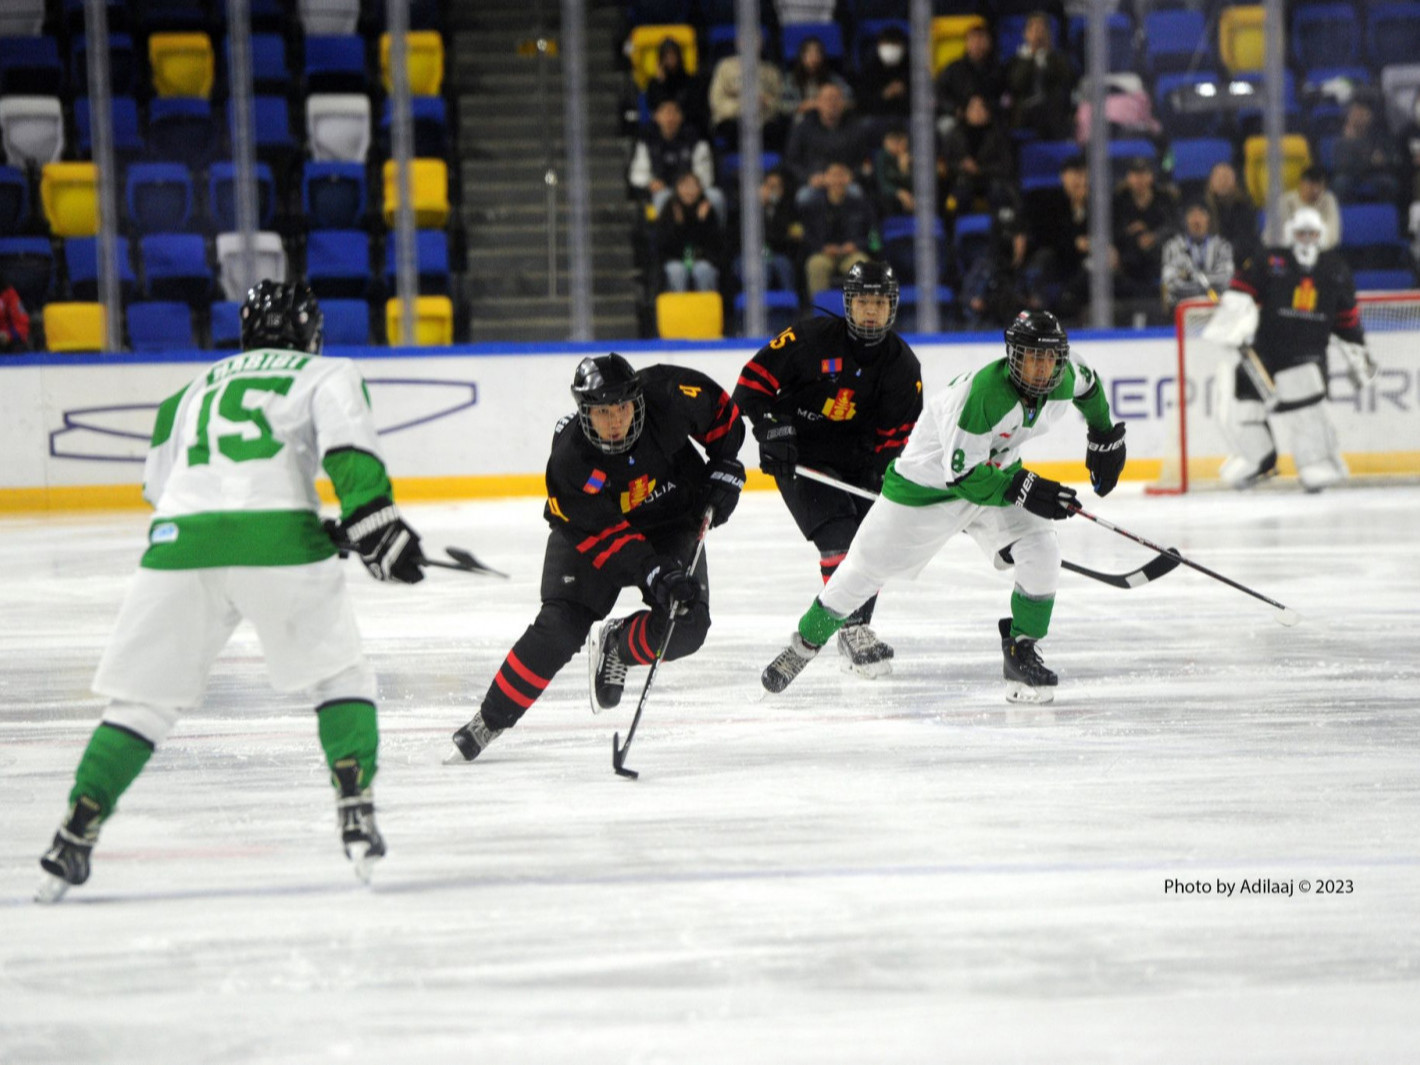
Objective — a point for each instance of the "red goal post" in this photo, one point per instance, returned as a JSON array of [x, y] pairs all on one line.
[[1379, 426]]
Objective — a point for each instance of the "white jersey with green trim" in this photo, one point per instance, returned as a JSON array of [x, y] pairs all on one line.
[[980, 419]]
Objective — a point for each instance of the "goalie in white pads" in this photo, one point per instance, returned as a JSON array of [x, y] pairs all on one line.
[[1278, 315], [961, 471], [236, 534]]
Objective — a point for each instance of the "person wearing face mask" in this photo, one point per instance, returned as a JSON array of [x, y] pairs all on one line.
[[1285, 305], [884, 90]]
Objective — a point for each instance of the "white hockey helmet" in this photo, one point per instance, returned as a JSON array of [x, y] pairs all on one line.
[[1303, 235]]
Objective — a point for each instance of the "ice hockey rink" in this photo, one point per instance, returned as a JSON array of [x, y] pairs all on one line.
[[906, 870]]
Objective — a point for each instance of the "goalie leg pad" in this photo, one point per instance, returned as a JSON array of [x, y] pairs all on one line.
[[1254, 453], [1300, 385], [1315, 446]]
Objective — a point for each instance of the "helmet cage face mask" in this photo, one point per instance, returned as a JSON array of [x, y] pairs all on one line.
[[591, 389], [1016, 354], [1303, 234], [882, 283], [280, 315]]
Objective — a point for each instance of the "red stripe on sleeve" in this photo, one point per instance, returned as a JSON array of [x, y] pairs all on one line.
[[772, 381], [1239, 285], [592, 541], [754, 386]]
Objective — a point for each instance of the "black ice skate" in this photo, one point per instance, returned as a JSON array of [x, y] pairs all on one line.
[[472, 740], [355, 811], [1027, 679], [788, 665], [607, 667], [861, 652], [66, 863]]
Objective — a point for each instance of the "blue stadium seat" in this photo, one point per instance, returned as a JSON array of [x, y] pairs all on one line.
[[122, 64], [1122, 151], [81, 257], [1195, 157], [346, 321], [162, 16], [1384, 280], [334, 195], [431, 126], [781, 310], [1120, 30], [338, 263], [1010, 32], [127, 140], [1176, 119], [160, 325], [971, 238], [174, 266], [271, 126], [1325, 35], [1040, 163], [27, 265], [14, 200], [1393, 33], [226, 325], [29, 66], [907, 307], [899, 236], [1175, 41], [432, 250], [831, 301], [222, 196], [336, 64], [159, 197], [1371, 238], [270, 72], [181, 128], [658, 12], [794, 34]]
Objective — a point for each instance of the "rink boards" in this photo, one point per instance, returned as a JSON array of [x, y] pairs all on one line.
[[477, 421]]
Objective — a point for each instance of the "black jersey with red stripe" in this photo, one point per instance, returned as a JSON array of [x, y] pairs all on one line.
[[1299, 309], [604, 504], [852, 405]]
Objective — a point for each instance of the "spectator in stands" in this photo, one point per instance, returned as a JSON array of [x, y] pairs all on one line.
[[824, 136], [1196, 260], [993, 290], [783, 232], [1364, 162], [662, 152], [1039, 80], [1234, 213], [976, 160], [810, 73], [885, 87], [1143, 221], [672, 82], [14, 323], [836, 229], [689, 238], [892, 169], [974, 73], [1058, 244], [725, 103], [1311, 191]]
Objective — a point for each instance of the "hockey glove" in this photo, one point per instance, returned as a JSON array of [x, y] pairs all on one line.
[[669, 585], [1041, 496], [1104, 458], [722, 488], [388, 547], [778, 447], [1361, 369]]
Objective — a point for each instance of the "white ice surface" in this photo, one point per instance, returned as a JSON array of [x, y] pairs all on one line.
[[908, 870]]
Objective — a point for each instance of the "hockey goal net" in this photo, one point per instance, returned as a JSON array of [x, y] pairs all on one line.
[[1379, 426]]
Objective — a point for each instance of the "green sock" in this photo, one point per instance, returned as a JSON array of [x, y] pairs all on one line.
[[818, 624], [111, 761], [348, 729], [1030, 617]]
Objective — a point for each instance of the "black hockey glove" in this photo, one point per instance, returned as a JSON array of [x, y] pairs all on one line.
[[778, 447], [669, 584], [1104, 458], [1039, 495], [722, 488], [388, 547]]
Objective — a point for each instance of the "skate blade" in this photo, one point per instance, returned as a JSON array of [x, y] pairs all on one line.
[[362, 861], [51, 889], [455, 757], [867, 670], [593, 642], [1016, 692]]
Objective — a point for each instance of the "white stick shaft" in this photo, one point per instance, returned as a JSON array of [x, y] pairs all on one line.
[[834, 482]]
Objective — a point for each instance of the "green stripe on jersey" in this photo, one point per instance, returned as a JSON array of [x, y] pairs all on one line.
[[357, 477], [237, 538], [167, 413]]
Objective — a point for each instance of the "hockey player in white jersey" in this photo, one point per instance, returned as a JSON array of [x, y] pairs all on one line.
[[236, 534], [961, 472]]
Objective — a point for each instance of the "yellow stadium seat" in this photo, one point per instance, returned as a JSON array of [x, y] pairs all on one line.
[[1296, 157], [949, 38], [70, 194], [183, 64], [646, 41], [1240, 42], [429, 178], [690, 316], [426, 62], [433, 321], [74, 326]]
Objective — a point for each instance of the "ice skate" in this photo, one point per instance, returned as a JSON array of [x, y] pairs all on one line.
[[1241, 474], [1027, 679], [862, 652], [606, 666], [66, 863], [788, 665], [472, 740], [355, 811]]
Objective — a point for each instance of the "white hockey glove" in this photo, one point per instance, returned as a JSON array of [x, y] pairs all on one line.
[[1234, 322], [1360, 367]]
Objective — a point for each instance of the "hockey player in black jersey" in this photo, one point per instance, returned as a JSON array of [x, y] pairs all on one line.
[[1285, 304], [839, 395], [625, 494]]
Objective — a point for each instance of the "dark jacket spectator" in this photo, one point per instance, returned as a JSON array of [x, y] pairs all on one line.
[[810, 73], [689, 238], [1058, 241], [885, 87], [977, 160], [1234, 213], [1039, 79], [672, 82], [975, 73], [1143, 220], [668, 147], [1364, 165], [824, 136], [837, 226], [892, 170]]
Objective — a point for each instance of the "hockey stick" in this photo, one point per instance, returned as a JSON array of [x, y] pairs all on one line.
[[462, 560], [1150, 571], [1288, 616], [618, 749]]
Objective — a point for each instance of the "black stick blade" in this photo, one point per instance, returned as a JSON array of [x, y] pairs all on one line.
[[468, 562], [618, 758]]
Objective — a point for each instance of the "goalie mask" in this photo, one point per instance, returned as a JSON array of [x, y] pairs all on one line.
[[1303, 235], [282, 315], [600, 386], [1034, 334], [870, 279]]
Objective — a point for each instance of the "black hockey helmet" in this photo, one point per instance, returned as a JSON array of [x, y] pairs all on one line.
[[279, 314], [870, 279], [1036, 331], [606, 381]]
